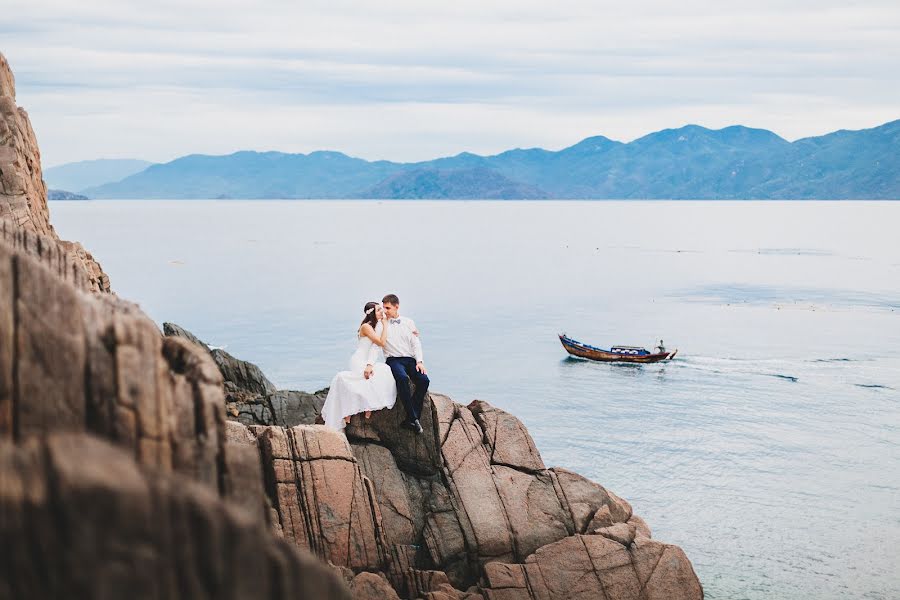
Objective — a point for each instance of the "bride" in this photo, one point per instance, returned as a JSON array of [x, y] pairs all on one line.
[[368, 385]]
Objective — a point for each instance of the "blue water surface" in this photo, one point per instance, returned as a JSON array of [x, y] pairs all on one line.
[[769, 449]]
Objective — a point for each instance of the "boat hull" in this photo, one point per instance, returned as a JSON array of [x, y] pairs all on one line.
[[580, 350]]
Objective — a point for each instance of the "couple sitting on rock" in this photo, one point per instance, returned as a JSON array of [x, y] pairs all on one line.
[[370, 385]]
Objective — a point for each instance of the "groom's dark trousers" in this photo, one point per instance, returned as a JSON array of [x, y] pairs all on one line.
[[404, 369]]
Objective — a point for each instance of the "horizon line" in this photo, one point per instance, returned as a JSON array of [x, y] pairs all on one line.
[[465, 152]]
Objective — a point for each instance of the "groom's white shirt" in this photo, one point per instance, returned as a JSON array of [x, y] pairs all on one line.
[[401, 341]]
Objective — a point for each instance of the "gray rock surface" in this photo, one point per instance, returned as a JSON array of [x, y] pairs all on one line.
[[250, 397]]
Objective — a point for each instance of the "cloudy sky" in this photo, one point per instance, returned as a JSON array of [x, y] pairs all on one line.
[[413, 79]]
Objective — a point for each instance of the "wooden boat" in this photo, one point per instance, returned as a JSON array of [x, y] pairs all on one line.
[[627, 354]]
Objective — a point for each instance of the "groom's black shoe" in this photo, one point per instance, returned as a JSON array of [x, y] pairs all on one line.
[[413, 425]]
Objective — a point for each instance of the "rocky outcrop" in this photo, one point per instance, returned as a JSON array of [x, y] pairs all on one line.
[[470, 492], [95, 367], [593, 566], [473, 491], [250, 397], [23, 195], [82, 362], [120, 473], [468, 505], [80, 519]]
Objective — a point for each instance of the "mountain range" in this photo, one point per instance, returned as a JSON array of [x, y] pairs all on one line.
[[690, 162], [84, 174]]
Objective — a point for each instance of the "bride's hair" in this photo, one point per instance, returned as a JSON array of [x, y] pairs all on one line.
[[371, 315]]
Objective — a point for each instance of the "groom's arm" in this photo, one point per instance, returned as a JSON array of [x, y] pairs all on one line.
[[416, 343]]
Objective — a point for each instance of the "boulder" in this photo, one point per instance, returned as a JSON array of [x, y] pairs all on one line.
[[509, 442], [623, 533], [323, 501], [95, 363], [419, 454], [250, 397], [369, 586], [641, 528], [593, 566], [79, 518], [447, 495], [173, 330], [242, 472], [402, 512], [583, 498]]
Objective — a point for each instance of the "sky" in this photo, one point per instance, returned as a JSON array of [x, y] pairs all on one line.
[[413, 80]]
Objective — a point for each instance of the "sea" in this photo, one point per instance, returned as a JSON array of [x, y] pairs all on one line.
[[768, 449]]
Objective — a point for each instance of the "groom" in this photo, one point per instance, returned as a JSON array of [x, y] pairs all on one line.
[[403, 354]]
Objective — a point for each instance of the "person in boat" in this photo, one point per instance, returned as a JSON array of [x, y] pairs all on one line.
[[660, 348]]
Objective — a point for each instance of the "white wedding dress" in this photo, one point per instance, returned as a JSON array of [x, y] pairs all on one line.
[[351, 393]]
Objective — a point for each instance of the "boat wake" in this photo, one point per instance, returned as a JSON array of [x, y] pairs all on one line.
[[873, 386], [739, 366]]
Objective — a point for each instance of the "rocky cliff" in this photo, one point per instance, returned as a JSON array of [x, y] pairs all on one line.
[[120, 472], [23, 194], [466, 510]]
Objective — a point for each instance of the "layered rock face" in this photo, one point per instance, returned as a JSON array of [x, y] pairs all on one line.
[[120, 473], [92, 367], [472, 498], [23, 195], [469, 505], [80, 519]]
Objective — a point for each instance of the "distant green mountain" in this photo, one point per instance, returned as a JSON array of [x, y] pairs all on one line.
[[91, 173], [690, 162]]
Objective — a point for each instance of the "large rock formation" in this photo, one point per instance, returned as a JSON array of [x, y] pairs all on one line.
[[175, 507], [467, 505], [80, 519], [250, 397], [23, 194], [120, 473]]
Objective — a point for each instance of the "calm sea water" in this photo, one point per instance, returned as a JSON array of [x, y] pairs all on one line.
[[769, 449]]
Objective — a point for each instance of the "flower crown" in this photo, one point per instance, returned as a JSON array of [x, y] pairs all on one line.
[[371, 310]]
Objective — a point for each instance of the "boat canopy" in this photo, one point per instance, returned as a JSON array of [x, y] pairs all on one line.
[[631, 350]]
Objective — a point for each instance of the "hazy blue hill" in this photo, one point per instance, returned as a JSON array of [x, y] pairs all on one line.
[[471, 183], [90, 173], [251, 175], [63, 195], [464, 160], [682, 163], [688, 162], [840, 165]]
